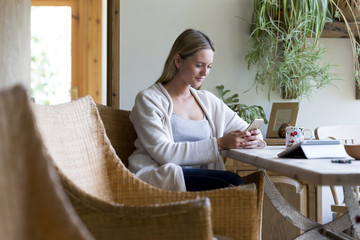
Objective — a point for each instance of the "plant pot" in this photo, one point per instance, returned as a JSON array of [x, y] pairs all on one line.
[[286, 95], [278, 16], [350, 9]]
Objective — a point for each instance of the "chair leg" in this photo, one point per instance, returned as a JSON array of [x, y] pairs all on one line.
[[334, 194]]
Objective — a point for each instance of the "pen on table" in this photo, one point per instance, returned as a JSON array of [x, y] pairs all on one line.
[[341, 160]]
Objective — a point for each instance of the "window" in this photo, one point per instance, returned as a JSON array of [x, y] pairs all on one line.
[[51, 54], [85, 45]]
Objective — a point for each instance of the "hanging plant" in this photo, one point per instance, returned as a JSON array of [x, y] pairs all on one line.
[[348, 11], [284, 47]]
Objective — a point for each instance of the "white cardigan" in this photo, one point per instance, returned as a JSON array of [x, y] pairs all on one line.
[[157, 159]]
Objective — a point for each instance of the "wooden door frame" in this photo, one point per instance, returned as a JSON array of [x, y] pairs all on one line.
[[113, 54]]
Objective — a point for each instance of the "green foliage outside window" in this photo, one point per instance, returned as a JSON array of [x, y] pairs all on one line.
[[40, 76]]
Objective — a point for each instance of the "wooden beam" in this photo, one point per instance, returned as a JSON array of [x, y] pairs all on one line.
[[86, 48], [339, 30], [50, 3], [113, 54], [92, 46]]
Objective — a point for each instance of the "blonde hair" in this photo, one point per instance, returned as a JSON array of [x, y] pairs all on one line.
[[188, 43]]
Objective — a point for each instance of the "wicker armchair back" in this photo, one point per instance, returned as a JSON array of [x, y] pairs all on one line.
[[120, 131], [33, 204]]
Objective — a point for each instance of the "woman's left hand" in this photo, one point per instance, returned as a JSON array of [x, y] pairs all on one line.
[[251, 141]]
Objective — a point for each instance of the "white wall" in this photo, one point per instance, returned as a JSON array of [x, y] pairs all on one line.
[[149, 28]]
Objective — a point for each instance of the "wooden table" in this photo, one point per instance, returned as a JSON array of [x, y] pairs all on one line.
[[315, 171]]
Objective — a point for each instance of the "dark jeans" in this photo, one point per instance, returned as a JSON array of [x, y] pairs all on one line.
[[206, 179]]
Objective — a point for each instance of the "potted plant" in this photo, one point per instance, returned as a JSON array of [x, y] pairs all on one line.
[[284, 46], [348, 12], [247, 113]]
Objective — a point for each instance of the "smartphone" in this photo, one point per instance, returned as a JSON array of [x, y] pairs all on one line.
[[255, 124]]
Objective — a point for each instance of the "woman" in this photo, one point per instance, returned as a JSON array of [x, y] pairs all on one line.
[[181, 129]]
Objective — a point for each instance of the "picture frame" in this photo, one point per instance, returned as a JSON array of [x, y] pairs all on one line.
[[281, 112]]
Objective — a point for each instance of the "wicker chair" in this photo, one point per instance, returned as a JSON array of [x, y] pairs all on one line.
[[97, 181], [33, 203]]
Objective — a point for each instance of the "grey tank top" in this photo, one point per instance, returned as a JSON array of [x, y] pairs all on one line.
[[186, 130]]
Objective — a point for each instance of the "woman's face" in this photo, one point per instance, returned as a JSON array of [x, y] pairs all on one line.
[[195, 68]]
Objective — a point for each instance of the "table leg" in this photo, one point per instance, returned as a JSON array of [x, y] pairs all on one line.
[[333, 230], [353, 207], [312, 229]]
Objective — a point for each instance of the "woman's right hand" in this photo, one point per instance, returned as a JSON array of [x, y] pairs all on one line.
[[233, 139]]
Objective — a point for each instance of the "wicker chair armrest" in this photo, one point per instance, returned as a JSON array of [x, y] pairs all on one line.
[[190, 219], [235, 212]]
